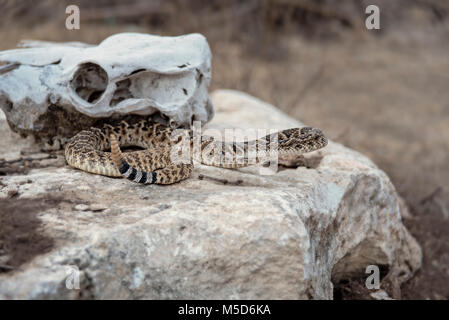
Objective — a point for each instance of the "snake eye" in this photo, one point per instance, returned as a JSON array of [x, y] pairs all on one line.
[[306, 130]]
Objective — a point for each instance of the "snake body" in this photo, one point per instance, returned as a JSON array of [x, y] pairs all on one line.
[[88, 150]]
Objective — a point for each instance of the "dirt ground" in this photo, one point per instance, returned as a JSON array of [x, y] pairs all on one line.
[[383, 93]]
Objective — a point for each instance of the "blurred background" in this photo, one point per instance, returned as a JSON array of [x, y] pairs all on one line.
[[384, 93]]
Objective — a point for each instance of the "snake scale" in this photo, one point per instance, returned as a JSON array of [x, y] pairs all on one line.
[[88, 150]]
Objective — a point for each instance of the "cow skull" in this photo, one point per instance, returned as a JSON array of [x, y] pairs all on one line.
[[55, 89]]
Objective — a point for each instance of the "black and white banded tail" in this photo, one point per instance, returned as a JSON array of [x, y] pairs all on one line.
[[127, 170]]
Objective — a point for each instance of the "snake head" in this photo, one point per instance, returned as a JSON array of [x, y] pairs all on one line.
[[300, 140]]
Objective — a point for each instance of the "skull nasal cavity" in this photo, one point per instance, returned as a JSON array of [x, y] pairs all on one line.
[[89, 82]]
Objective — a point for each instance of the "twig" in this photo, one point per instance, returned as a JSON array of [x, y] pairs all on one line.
[[224, 181], [443, 208], [308, 86], [432, 4], [230, 13], [123, 11], [319, 9], [432, 195], [6, 267], [5, 162]]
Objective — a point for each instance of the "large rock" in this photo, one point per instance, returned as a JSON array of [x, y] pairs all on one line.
[[230, 234]]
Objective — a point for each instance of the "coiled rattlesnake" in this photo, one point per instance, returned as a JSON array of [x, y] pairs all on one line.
[[154, 164]]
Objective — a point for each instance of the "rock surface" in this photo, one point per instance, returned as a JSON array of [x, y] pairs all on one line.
[[222, 234]]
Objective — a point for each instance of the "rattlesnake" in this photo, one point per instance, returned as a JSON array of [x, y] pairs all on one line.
[[154, 164]]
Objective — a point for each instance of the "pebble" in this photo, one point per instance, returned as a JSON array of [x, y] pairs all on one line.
[[81, 207], [92, 207], [380, 295]]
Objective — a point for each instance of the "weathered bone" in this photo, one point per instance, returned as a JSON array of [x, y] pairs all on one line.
[[55, 89]]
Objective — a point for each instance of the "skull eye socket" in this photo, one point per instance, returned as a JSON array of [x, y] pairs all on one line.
[[89, 82]]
